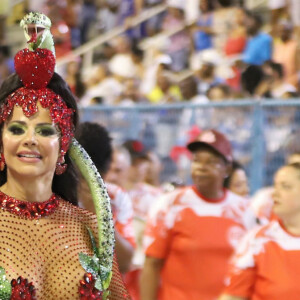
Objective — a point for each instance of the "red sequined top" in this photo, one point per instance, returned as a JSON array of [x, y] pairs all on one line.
[[45, 251]]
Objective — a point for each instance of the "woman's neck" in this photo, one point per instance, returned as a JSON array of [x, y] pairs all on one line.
[[292, 224], [211, 193], [29, 189]]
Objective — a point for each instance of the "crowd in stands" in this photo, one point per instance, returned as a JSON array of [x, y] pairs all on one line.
[[230, 49]]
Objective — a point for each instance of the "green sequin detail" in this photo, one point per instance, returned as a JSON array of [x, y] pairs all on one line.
[[5, 286]]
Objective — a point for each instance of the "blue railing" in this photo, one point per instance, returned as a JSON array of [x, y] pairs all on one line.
[[262, 133]]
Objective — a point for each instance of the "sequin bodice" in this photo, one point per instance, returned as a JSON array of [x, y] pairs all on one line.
[[45, 251]]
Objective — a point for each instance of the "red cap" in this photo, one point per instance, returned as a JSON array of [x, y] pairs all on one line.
[[136, 149], [214, 140]]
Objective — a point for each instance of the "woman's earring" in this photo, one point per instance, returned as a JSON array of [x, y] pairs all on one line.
[[2, 162], [60, 166]]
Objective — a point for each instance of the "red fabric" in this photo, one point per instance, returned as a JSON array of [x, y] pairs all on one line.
[[266, 265], [235, 45], [195, 238]]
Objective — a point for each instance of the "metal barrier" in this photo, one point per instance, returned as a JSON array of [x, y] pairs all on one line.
[[262, 133]]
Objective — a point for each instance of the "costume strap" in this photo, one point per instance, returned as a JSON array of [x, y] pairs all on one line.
[[103, 256]]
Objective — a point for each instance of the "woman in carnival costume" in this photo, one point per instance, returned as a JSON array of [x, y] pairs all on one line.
[[49, 247]]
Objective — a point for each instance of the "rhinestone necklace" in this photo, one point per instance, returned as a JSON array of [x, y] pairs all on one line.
[[29, 210]]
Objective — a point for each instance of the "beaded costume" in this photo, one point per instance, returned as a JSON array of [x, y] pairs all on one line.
[[49, 249], [45, 252]]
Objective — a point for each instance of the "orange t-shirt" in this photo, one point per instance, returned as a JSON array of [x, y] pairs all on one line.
[[266, 265], [196, 238]]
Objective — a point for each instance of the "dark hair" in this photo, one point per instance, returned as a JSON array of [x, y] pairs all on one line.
[[277, 68], [95, 139], [5, 50], [235, 166], [251, 78], [64, 184], [254, 16], [223, 87], [224, 3]]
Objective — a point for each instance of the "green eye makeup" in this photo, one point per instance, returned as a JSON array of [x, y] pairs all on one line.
[[16, 129], [46, 130]]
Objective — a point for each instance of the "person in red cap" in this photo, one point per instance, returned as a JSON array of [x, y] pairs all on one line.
[[192, 232]]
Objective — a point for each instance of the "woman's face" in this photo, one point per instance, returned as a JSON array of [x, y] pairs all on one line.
[[207, 168], [30, 145], [239, 183], [286, 192], [239, 17], [203, 6]]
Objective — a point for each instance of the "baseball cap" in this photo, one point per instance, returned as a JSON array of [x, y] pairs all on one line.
[[136, 149], [215, 140]]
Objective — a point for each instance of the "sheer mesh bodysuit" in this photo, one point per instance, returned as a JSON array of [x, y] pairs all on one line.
[[45, 251]]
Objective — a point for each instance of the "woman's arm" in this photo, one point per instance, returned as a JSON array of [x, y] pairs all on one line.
[[229, 297], [150, 278], [124, 252]]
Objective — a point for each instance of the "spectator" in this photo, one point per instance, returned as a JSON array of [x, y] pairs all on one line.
[[234, 47], [202, 30], [237, 181], [121, 67], [59, 29], [153, 25], [286, 52], [4, 12], [108, 15], [250, 79], [278, 9], [266, 264], [6, 62], [164, 91], [236, 40], [294, 13], [130, 95], [192, 232], [154, 67], [223, 20], [219, 92], [88, 16], [179, 43], [73, 78], [96, 141], [273, 84], [96, 83], [259, 45], [189, 90], [72, 16], [206, 73]]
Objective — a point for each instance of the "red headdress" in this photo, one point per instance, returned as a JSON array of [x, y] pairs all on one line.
[[35, 69]]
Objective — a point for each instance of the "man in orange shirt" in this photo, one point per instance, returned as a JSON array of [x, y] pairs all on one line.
[[192, 231]]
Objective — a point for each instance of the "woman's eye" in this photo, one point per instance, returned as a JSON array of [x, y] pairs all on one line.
[[286, 186], [47, 131], [16, 130]]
